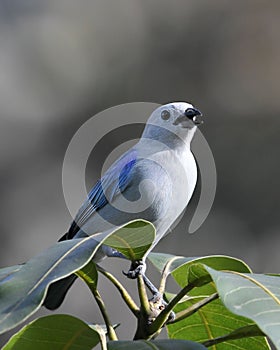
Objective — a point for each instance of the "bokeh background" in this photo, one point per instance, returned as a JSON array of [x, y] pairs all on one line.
[[63, 61]]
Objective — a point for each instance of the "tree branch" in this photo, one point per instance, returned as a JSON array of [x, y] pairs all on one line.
[[110, 329], [145, 306], [91, 283], [123, 292]]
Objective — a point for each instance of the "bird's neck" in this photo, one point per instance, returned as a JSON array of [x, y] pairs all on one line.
[[189, 136], [167, 137]]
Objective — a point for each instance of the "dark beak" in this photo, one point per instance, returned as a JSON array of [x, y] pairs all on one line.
[[195, 115], [192, 114]]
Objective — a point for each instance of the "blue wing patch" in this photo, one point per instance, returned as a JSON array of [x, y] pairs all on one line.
[[116, 179]]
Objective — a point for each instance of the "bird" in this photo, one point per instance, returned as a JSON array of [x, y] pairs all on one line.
[[154, 180]]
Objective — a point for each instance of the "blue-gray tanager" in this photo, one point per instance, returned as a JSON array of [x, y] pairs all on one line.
[[154, 180]]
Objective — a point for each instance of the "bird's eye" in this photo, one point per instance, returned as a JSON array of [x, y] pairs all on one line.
[[165, 115]]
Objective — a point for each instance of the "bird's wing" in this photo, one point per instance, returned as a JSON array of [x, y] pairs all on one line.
[[116, 179]]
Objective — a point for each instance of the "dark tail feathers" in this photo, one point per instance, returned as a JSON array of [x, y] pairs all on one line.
[[57, 292]]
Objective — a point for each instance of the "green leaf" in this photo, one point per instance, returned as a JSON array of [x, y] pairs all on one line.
[[133, 240], [6, 272], [56, 332], [164, 344], [178, 266], [89, 274], [22, 291], [210, 321], [254, 296], [242, 332]]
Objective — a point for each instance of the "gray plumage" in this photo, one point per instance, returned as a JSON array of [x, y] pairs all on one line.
[[154, 180]]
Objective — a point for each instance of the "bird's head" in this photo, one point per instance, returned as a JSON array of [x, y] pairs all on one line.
[[180, 119]]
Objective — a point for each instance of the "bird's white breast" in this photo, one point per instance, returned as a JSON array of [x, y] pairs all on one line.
[[180, 176]]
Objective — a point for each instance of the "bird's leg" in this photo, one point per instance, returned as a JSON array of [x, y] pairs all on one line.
[[138, 267], [157, 303], [152, 288]]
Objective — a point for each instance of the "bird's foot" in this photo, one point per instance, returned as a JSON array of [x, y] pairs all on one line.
[[157, 303], [137, 268]]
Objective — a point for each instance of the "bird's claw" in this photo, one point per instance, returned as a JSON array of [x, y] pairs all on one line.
[[137, 268], [157, 303], [132, 274]]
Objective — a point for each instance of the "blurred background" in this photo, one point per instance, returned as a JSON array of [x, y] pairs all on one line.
[[62, 61]]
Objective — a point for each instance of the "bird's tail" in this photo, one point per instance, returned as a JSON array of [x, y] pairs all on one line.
[[57, 292]]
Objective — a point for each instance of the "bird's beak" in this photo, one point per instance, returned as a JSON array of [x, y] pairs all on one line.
[[192, 114]]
